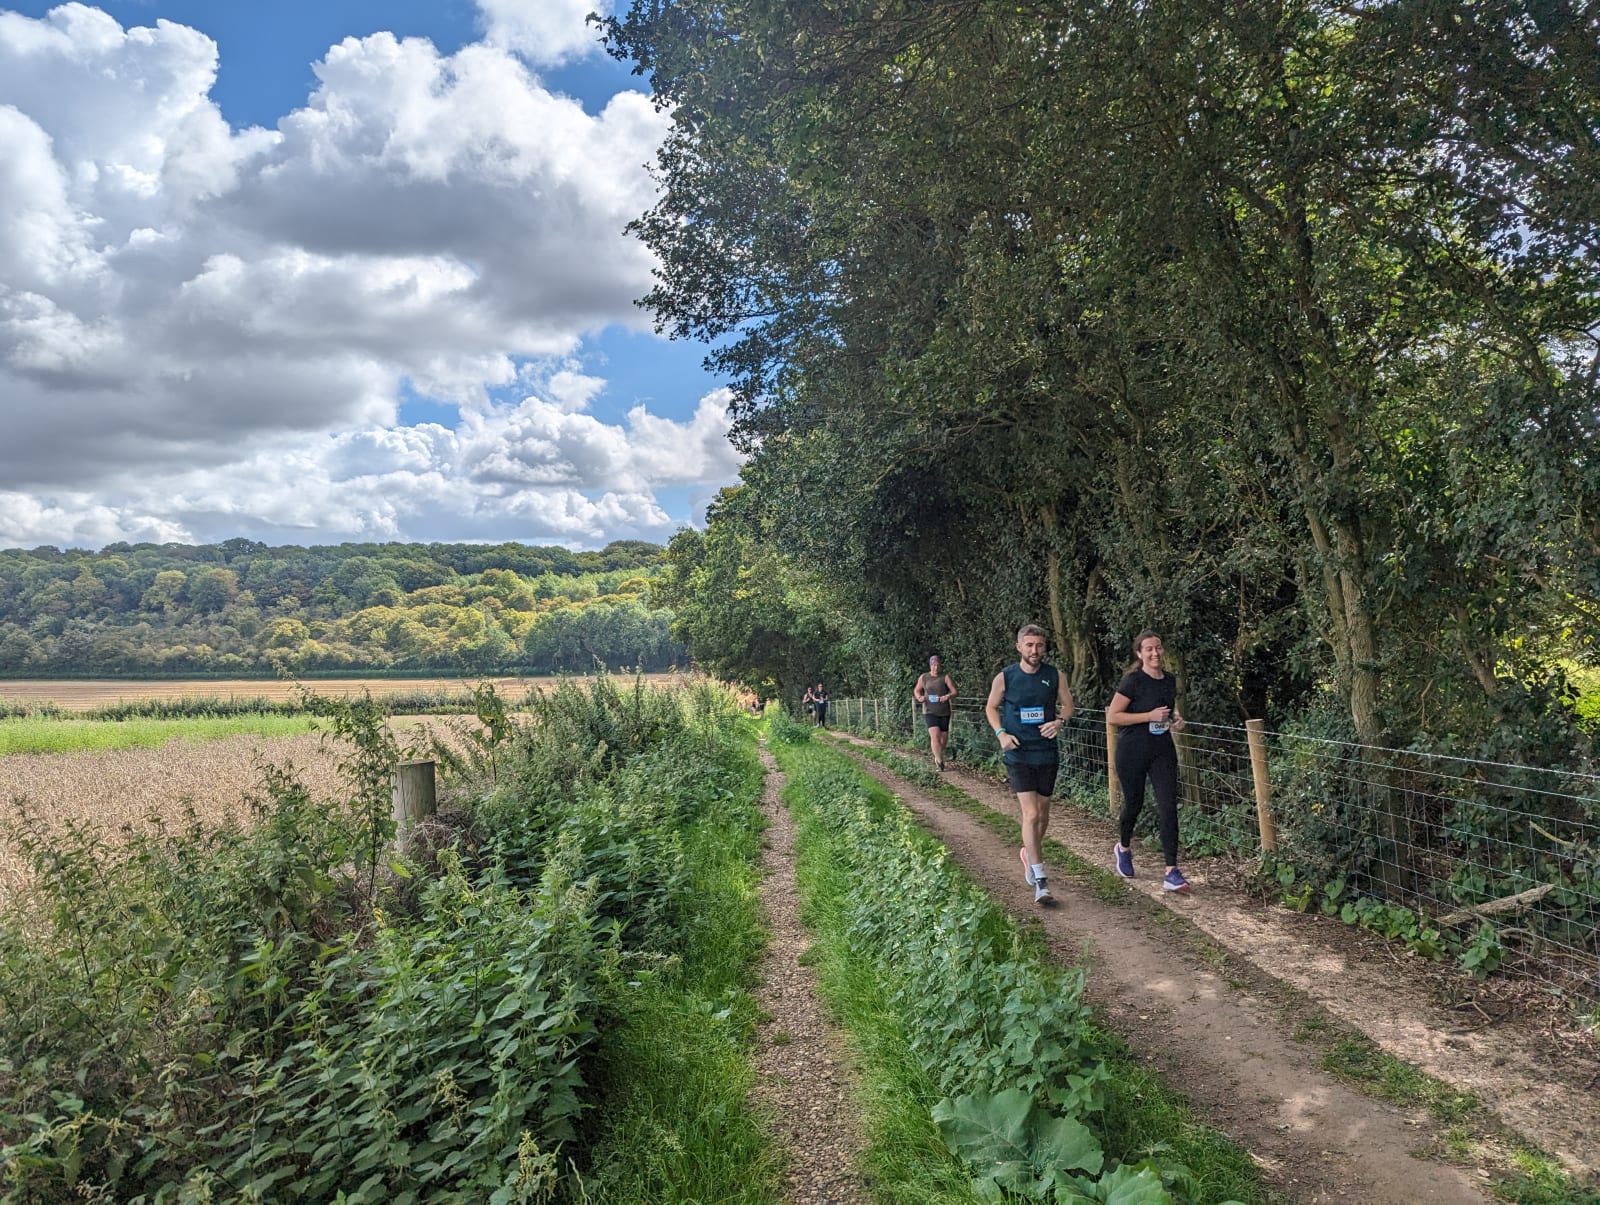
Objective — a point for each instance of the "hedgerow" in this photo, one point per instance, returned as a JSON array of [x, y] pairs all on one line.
[[290, 1010]]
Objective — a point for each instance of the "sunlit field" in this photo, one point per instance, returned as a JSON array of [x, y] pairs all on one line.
[[88, 694], [111, 788], [36, 735], [113, 774]]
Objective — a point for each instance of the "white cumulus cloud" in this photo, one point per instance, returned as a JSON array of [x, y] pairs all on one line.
[[544, 31], [541, 468], [205, 329]]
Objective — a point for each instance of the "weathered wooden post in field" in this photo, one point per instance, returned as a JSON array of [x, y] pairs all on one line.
[[875, 717], [414, 797], [1113, 787], [1256, 735]]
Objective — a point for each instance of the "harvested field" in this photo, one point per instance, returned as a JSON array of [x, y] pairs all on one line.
[[116, 787], [113, 788], [87, 694]]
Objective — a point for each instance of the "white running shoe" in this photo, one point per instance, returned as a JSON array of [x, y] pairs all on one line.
[[1041, 893]]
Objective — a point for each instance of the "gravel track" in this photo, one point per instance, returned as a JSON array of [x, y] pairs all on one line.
[[804, 1079]]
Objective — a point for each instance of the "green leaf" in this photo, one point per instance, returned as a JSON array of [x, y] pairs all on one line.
[[1067, 1142], [1134, 1186], [986, 1130]]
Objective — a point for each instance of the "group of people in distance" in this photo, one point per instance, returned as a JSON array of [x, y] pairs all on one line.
[[816, 704], [1029, 703]]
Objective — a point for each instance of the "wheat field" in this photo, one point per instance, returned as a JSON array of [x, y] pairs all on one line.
[[113, 788], [116, 788], [87, 694]]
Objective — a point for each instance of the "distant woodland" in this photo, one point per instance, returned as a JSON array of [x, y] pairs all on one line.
[[242, 607]]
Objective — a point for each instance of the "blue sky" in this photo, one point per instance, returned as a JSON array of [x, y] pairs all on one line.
[[341, 270]]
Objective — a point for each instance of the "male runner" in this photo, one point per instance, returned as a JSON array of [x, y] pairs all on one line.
[[933, 691], [1028, 704]]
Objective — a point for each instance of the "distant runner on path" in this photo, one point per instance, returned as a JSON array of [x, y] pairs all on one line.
[[1028, 703], [1145, 710], [933, 691]]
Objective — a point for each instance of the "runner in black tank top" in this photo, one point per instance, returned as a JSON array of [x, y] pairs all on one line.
[[933, 693], [1028, 704], [1145, 711]]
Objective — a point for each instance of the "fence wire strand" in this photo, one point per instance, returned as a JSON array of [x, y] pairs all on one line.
[[1490, 857]]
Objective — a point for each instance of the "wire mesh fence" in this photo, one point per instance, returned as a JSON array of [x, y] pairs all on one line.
[[1495, 865]]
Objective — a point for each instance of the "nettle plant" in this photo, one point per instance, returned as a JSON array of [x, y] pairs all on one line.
[[291, 1010]]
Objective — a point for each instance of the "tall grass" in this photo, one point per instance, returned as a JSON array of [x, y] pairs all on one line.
[[672, 1080]]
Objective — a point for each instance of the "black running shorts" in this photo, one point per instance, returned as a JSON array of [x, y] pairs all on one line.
[[941, 722], [1039, 779]]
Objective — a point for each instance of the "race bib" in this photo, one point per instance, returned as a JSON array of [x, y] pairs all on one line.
[[933, 698], [1032, 715]]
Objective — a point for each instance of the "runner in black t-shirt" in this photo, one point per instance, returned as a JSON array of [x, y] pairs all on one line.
[[1145, 709], [819, 698]]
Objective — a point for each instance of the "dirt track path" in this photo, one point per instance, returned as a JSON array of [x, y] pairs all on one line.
[[803, 1077], [1538, 1082], [1224, 1046]]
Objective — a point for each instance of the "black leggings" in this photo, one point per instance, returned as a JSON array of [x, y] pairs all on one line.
[[1158, 758]]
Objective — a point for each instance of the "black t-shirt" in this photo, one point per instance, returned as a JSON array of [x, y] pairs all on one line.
[[1145, 693]]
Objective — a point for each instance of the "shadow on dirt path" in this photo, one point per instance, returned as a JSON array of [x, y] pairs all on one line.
[[1222, 1040]]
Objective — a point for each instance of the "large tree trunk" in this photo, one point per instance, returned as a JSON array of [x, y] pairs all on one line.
[[1068, 624]]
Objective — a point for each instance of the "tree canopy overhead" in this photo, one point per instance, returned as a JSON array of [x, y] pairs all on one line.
[[1272, 326]]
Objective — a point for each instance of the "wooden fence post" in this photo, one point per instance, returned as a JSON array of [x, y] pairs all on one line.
[[414, 796], [1113, 787], [1255, 734], [874, 715]]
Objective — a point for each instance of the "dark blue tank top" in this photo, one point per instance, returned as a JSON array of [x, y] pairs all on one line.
[[1030, 700]]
